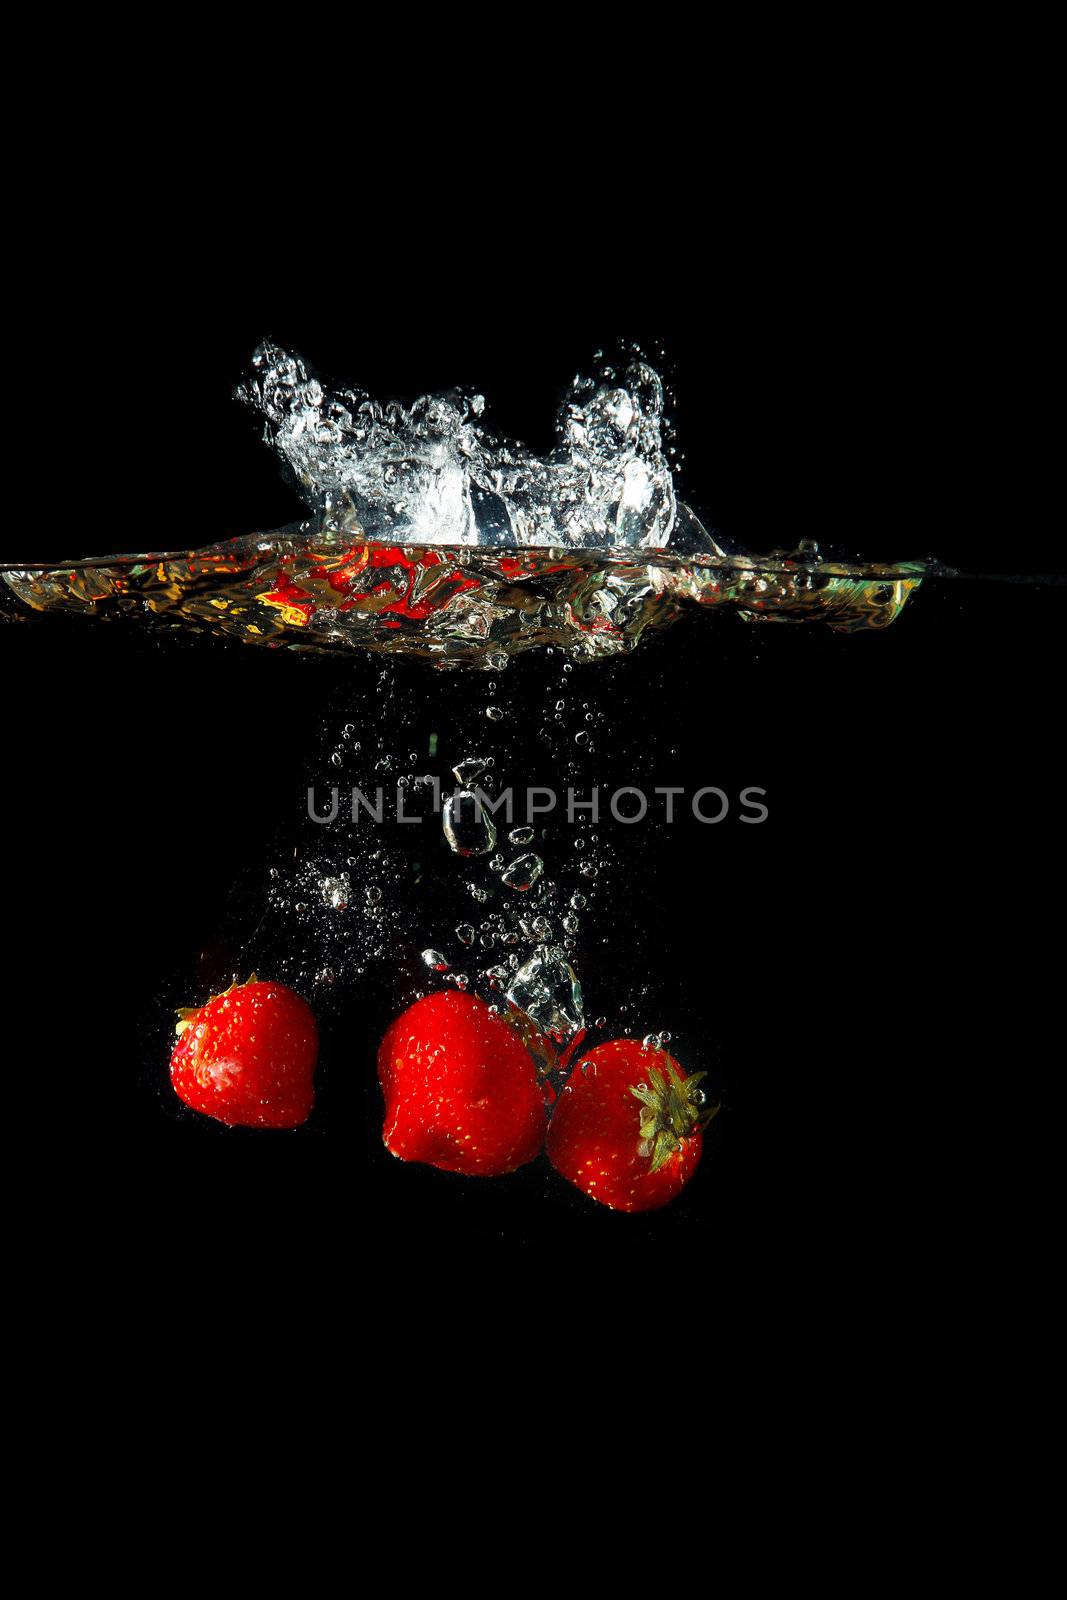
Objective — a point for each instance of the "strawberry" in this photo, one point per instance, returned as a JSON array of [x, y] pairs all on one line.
[[461, 1089], [248, 1056], [628, 1128]]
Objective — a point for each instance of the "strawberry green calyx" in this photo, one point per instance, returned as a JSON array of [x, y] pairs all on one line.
[[187, 1015], [673, 1109]]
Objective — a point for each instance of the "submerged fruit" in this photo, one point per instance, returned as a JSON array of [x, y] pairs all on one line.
[[461, 1089], [628, 1128], [247, 1057]]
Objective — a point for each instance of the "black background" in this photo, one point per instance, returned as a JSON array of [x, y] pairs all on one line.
[[834, 374]]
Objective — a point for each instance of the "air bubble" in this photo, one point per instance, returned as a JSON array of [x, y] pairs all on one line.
[[467, 825], [549, 993], [523, 872], [336, 892], [466, 771]]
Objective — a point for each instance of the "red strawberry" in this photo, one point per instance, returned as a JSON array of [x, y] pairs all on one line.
[[248, 1056], [627, 1129], [461, 1089]]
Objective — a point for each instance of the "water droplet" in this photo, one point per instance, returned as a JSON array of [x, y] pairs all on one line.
[[374, 894], [434, 959], [521, 835], [494, 713], [465, 933]]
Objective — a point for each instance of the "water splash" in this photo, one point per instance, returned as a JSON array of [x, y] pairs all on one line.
[[432, 537], [456, 606], [431, 474]]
